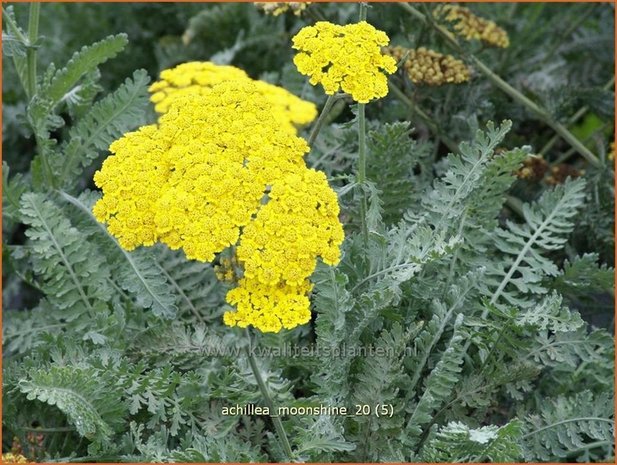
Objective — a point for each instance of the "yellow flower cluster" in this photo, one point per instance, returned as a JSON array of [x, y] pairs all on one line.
[[14, 458], [424, 66], [611, 152], [277, 8], [470, 26], [217, 169], [345, 57], [196, 78], [278, 250]]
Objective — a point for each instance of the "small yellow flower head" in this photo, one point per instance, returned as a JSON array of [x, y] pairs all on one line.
[[14, 458], [196, 78], [611, 152], [424, 66], [345, 57], [279, 249], [470, 26], [277, 8]]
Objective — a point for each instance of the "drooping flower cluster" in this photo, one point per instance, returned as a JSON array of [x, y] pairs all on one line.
[[196, 78], [277, 8], [218, 170], [347, 58], [469, 26], [424, 66]]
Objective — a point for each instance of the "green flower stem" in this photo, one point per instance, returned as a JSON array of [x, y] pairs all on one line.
[[361, 177], [517, 96], [33, 34], [424, 117], [363, 11], [263, 388], [322, 118]]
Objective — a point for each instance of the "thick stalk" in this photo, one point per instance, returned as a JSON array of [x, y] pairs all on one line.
[[517, 96], [33, 34], [263, 388]]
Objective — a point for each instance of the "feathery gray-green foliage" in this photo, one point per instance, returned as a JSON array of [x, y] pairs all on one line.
[[469, 324]]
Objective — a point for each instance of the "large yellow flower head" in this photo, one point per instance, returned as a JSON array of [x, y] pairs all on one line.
[[345, 57], [469, 26], [195, 179], [196, 78], [218, 170]]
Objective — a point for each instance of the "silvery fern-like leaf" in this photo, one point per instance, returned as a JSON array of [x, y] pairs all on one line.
[[457, 442], [82, 62], [437, 388], [136, 272], [567, 427], [71, 270], [523, 266], [571, 348], [447, 198], [444, 311], [109, 118], [199, 293], [91, 403], [12, 190], [552, 315]]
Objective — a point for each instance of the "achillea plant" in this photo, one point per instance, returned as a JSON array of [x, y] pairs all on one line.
[[161, 314]]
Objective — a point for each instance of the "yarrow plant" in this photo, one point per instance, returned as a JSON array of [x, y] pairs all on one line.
[[347, 58], [178, 286], [219, 170]]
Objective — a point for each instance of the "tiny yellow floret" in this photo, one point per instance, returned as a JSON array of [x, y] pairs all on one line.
[[347, 58]]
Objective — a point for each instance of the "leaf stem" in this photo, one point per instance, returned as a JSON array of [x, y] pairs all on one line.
[[278, 424], [33, 34], [517, 96]]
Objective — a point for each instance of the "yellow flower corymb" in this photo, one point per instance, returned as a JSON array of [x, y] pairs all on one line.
[[196, 78], [345, 57], [219, 170]]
